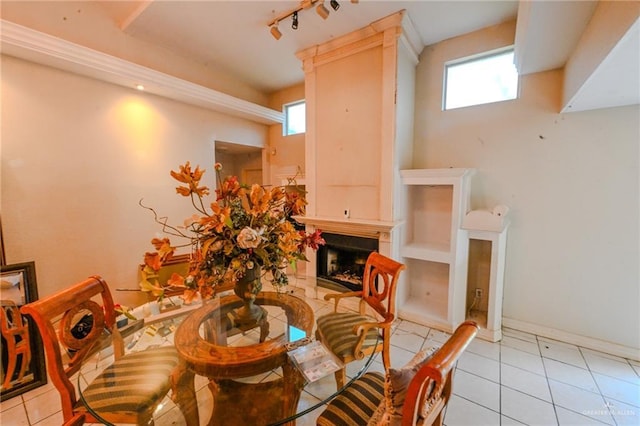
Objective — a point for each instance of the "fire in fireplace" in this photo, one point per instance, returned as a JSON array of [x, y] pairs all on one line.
[[341, 261]]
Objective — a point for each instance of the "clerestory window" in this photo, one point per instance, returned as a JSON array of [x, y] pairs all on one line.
[[480, 79], [294, 118]]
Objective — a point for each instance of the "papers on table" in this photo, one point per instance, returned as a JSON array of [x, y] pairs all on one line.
[[315, 361]]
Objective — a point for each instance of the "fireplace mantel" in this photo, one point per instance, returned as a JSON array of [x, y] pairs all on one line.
[[357, 227]]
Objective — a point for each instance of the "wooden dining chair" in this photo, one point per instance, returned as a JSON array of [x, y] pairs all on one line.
[[352, 335], [15, 331], [150, 374], [413, 395]]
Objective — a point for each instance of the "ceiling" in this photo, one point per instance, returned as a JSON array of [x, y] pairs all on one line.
[[233, 36]]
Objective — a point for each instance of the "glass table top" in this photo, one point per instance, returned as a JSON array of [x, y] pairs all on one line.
[[243, 375]]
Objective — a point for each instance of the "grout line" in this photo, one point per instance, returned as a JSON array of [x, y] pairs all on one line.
[[604, 399], [546, 376]]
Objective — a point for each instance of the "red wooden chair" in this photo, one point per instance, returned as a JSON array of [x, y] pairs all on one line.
[[15, 331], [149, 375], [351, 336]]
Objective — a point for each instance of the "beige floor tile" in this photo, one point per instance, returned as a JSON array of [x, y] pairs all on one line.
[[477, 389], [480, 366], [521, 359], [526, 408], [42, 406], [15, 416], [10, 403], [570, 374], [462, 412], [580, 401], [563, 352], [525, 382]]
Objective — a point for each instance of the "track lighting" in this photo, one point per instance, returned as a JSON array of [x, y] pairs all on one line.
[[275, 32], [322, 10]]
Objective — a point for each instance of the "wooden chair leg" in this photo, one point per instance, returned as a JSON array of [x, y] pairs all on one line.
[[341, 378], [77, 420], [386, 348], [184, 395]]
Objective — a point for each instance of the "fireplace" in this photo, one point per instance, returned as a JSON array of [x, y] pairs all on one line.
[[348, 237], [340, 262]]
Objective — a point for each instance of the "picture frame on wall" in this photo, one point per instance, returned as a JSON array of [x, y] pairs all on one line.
[[23, 364], [14, 284], [3, 260]]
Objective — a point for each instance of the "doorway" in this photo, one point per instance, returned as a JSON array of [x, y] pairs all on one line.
[[242, 161]]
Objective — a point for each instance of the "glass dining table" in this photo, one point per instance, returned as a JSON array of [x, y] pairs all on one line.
[[251, 374]]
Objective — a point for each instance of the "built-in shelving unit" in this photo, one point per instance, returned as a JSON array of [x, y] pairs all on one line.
[[435, 247]]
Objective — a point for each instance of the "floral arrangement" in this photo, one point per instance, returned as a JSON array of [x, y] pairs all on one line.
[[244, 228]]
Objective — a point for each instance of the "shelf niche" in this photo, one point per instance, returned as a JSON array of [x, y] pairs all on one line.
[[435, 247]]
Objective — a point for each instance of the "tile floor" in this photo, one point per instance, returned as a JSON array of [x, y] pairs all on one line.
[[522, 380]]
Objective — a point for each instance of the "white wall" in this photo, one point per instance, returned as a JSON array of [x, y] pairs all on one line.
[[78, 155], [285, 155], [572, 183], [95, 24]]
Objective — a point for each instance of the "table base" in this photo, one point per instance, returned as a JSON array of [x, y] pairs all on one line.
[[240, 403]]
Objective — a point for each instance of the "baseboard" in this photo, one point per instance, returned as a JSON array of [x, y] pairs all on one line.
[[575, 339]]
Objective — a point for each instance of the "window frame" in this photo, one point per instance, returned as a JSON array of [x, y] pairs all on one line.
[[285, 124], [474, 58]]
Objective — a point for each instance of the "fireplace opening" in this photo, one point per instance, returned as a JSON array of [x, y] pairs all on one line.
[[341, 261]]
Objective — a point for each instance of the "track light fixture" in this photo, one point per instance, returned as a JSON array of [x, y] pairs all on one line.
[[275, 32], [321, 10]]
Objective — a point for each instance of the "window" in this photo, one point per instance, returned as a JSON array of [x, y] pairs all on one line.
[[480, 80], [294, 118]]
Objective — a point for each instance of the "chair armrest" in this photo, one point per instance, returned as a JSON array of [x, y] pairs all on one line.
[[362, 328], [339, 296], [437, 370]]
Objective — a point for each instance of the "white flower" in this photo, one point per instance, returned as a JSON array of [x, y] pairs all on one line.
[[194, 219], [249, 238]]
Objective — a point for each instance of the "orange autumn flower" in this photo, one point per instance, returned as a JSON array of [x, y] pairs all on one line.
[[245, 226], [192, 179]]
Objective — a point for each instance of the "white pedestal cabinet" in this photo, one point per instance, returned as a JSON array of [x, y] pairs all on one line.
[[487, 233]]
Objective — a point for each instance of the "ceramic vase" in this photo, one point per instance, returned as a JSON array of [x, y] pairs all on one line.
[[247, 288]]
